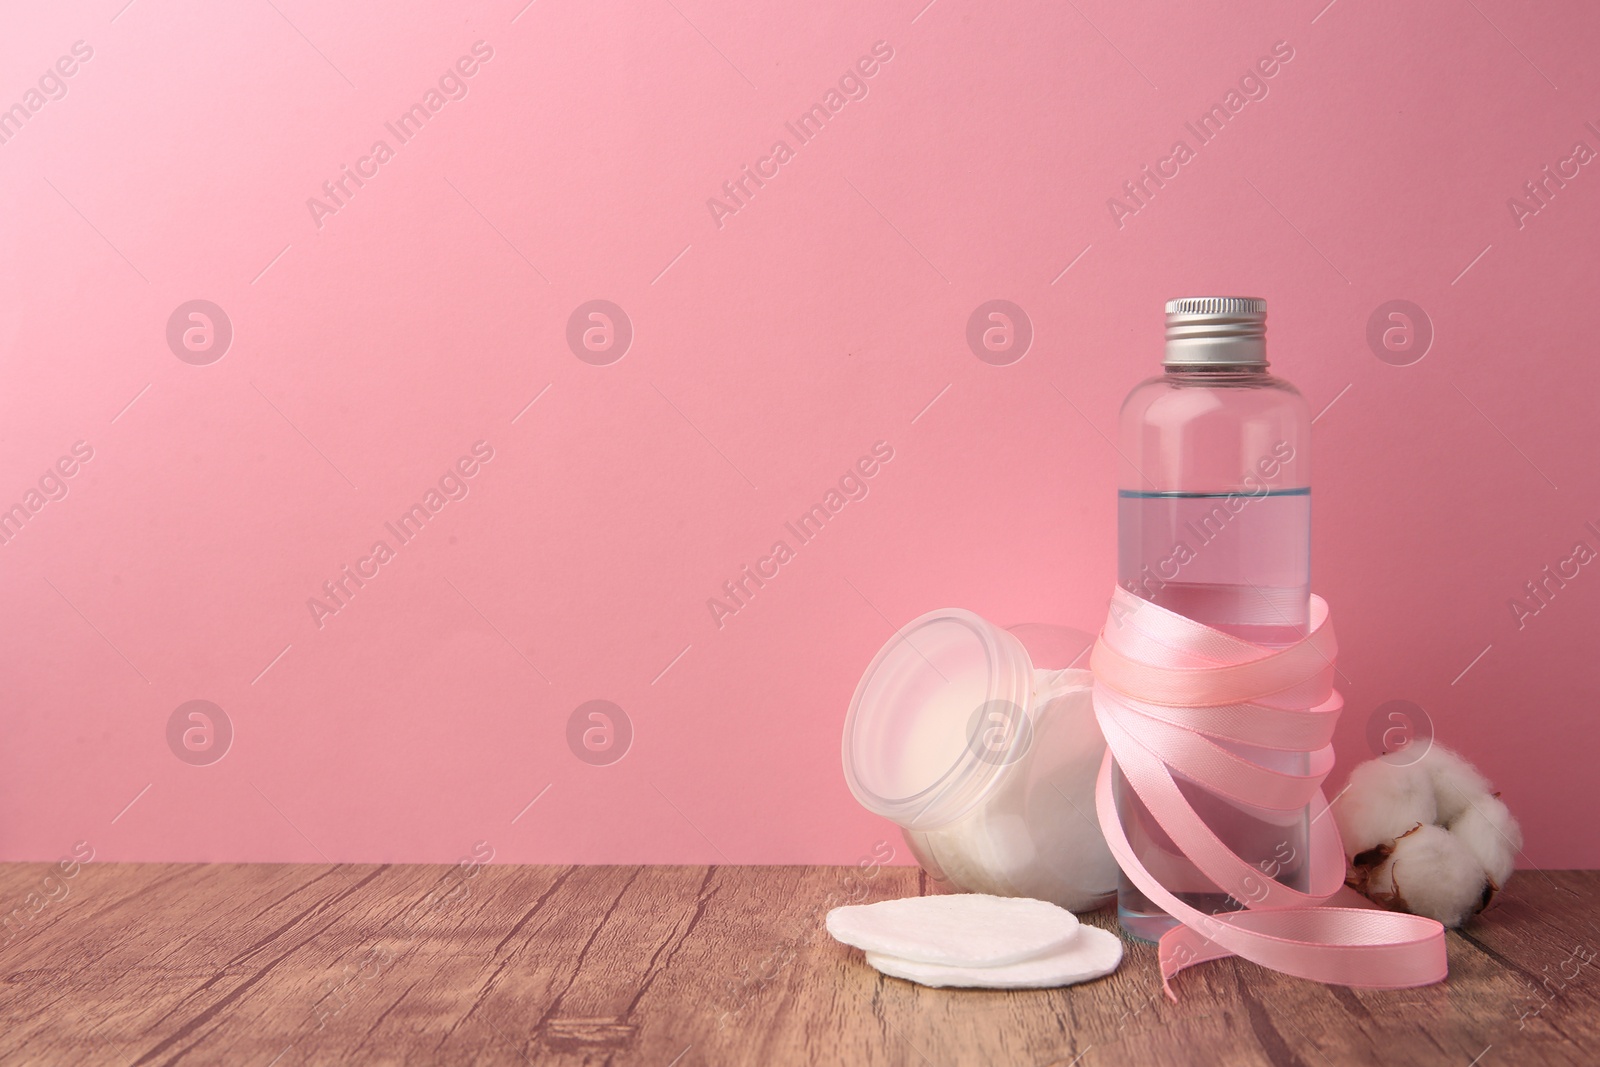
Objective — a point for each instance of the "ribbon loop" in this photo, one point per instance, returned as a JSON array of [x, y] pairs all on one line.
[[1167, 690]]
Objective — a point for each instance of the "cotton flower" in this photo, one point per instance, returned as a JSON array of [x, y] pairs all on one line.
[[1428, 837]]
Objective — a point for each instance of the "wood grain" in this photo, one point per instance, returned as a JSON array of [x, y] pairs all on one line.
[[677, 966]]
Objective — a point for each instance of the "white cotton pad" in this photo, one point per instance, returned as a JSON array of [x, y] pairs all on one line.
[[955, 930], [1093, 953]]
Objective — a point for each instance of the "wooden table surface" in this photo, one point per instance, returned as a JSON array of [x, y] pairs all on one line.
[[679, 966]]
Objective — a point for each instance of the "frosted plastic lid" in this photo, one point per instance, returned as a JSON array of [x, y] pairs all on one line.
[[939, 714]]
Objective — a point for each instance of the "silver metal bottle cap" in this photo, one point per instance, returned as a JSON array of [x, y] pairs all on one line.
[[1216, 331]]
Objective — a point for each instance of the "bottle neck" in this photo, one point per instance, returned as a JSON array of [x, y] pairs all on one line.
[[1216, 373]]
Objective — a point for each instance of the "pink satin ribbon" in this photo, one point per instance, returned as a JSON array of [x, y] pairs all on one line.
[[1167, 689]]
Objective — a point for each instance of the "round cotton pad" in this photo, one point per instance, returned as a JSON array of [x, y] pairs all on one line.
[[955, 930], [1092, 954]]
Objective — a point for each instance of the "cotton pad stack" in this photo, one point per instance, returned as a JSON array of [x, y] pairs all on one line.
[[976, 941]]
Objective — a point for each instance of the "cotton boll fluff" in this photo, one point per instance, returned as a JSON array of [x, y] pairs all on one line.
[[1488, 829], [1429, 871], [1456, 783], [1428, 837], [1383, 801]]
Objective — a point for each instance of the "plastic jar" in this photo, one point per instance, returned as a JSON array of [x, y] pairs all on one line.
[[982, 745]]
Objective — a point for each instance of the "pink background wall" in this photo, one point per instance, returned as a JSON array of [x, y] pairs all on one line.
[[771, 347]]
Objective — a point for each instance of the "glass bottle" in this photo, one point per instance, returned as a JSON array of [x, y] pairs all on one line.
[[1214, 523]]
